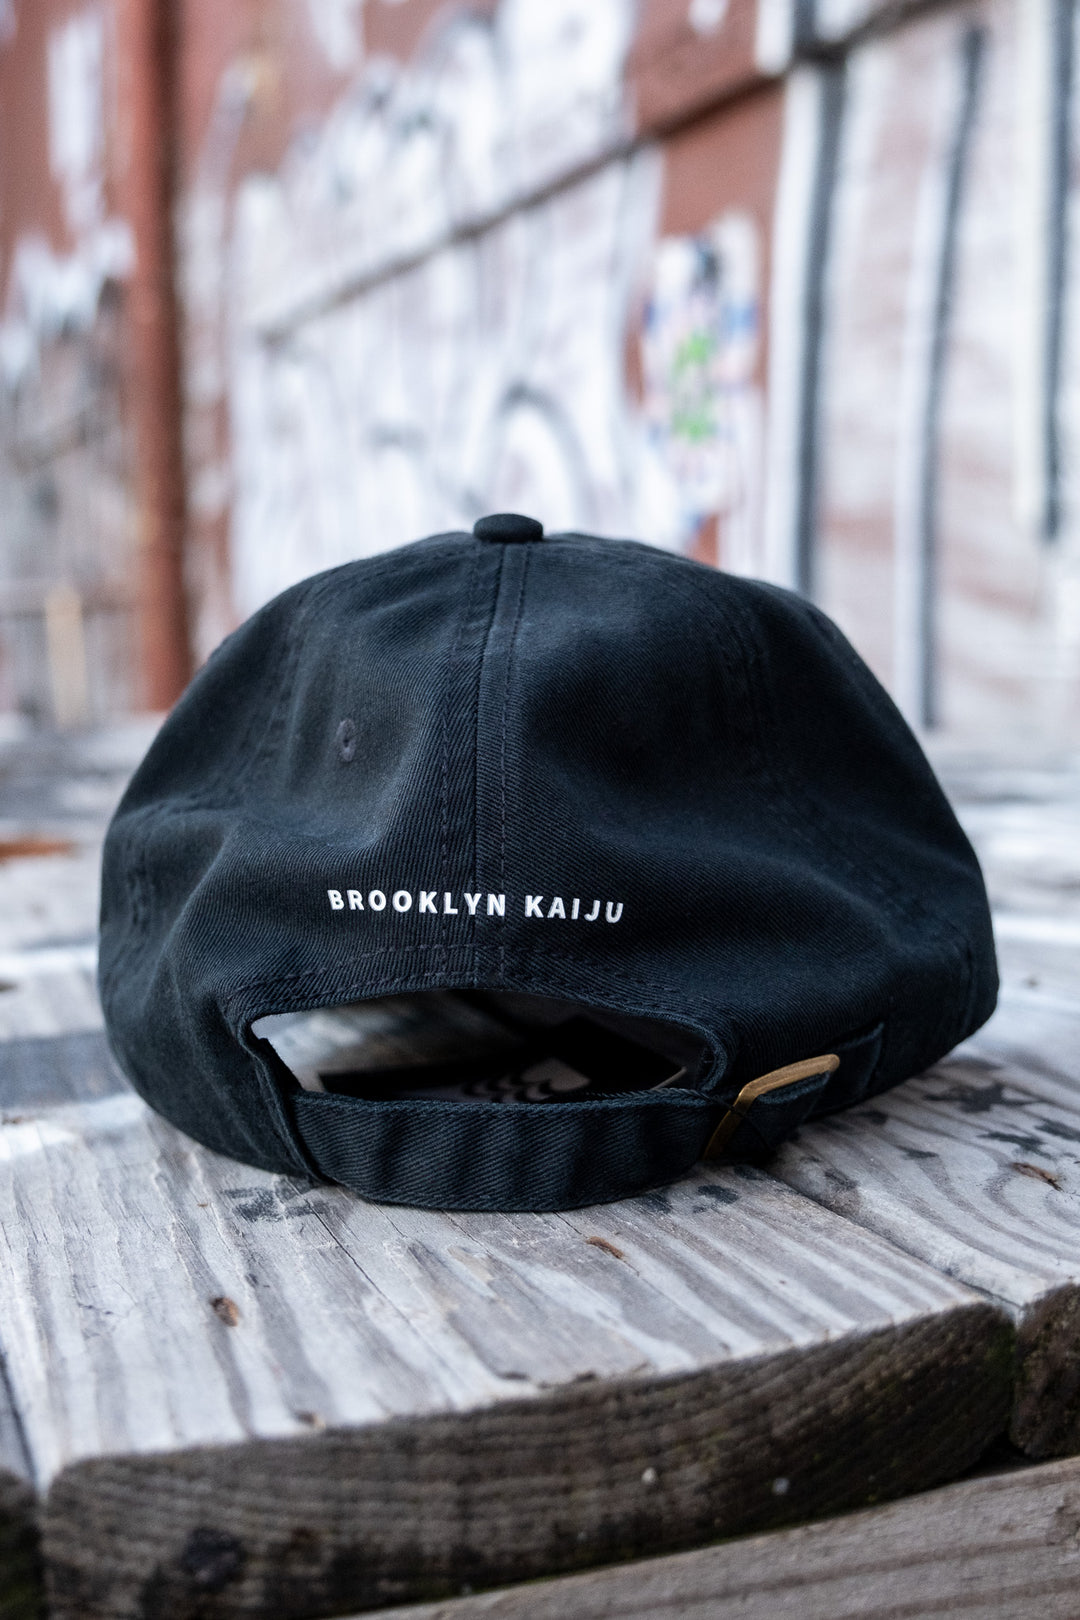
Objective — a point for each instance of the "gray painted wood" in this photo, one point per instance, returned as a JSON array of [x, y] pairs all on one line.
[[1004, 1547], [57, 1068], [399, 1510], [20, 1563], [48, 993], [49, 901], [240, 1394], [975, 1168], [373, 1403]]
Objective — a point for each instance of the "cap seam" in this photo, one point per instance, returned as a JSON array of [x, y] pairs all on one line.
[[283, 676], [447, 696], [766, 767], [718, 1031], [797, 813], [617, 1102], [140, 869], [240, 997], [736, 666], [510, 651], [206, 799], [909, 907], [478, 686], [883, 710], [263, 1078], [148, 819], [308, 591], [394, 562]]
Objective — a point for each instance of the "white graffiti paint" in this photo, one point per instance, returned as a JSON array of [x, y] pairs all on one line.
[[50, 291], [707, 16], [338, 26], [414, 336], [489, 376], [404, 351], [76, 117], [702, 410]]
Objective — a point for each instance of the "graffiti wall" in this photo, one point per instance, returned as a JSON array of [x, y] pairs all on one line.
[[473, 283], [66, 515], [668, 269], [940, 427]]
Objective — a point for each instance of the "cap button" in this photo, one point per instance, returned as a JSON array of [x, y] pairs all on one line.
[[508, 526]]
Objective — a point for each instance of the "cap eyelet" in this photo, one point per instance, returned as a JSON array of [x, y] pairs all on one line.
[[345, 737]]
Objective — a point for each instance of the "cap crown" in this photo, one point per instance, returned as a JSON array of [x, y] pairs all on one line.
[[755, 843]]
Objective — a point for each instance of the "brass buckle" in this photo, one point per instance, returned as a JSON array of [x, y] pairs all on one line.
[[754, 1089]]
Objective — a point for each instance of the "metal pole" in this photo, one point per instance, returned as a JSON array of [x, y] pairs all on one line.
[[147, 48]]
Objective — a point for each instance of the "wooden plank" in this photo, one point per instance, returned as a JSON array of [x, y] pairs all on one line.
[[49, 900], [21, 1584], [48, 993], [996, 1548], [56, 1068], [975, 1168], [59, 787], [241, 1394], [50, 1021], [1034, 1037], [231, 1378]]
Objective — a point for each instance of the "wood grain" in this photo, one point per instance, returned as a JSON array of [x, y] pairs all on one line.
[[975, 1168], [48, 993], [1000, 1548], [21, 1571], [523, 1488], [59, 1068], [49, 900], [239, 1394], [438, 1398], [20, 1561]]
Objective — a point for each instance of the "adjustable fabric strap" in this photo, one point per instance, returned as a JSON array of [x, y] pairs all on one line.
[[503, 1156], [498, 1156]]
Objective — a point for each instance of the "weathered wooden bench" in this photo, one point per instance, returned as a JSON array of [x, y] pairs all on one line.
[[227, 1393]]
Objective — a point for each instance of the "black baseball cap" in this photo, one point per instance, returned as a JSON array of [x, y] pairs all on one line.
[[540, 772]]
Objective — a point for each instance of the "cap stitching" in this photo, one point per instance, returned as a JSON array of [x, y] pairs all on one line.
[[502, 741], [796, 816], [488, 633], [905, 906], [617, 1102], [448, 689], [665, 1002], [884, 709], [225, 773], [259, 725], [274, 720], [149, 818], [737, 671], [240, 997], [910, 907]]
